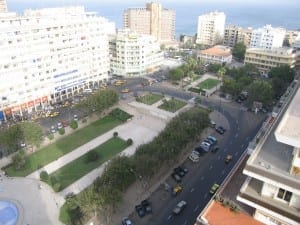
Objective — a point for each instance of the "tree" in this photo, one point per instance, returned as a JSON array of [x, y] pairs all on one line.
[[19, 160], [221, 72], [176, 74], [239, 50], [260, 91]]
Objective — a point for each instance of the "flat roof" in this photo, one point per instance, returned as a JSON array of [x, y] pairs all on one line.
[[217, 214], [272, 159], [288, 130]]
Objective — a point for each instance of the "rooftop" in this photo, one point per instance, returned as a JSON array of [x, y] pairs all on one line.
[[217, 214], [217, 50], [288, 130]]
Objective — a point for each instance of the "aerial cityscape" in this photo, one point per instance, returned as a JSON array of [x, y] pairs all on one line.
[[149, 113]]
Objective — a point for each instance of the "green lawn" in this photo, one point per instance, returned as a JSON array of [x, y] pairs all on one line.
[[172, 105], [150, 98], [64, 146], [209, 83], [76, 169]]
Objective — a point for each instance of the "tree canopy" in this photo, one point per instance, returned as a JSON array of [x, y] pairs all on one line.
[[239, 50], [260, 91]]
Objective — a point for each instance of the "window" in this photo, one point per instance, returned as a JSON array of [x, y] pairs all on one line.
[[284, 195]]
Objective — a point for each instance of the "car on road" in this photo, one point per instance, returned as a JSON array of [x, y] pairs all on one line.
[[176, 177], [214, 188], [228, 158], [140, 210], [176, 190], [126, 90], [179, 207], [147, 206], [126, 221], [179, 171]]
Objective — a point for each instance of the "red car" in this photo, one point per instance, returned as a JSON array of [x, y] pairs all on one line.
[[64, 123]]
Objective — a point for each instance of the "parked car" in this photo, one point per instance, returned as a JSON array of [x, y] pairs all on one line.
[[75, 117], [179, 207], [220, 130], [213, 139], [176, 177], [199, 151], [126, 221], [182, 167], [210, 142], [179, 171], [228, 158], [176, 190], [52, 129], [194, 157], [59, 125], [214, 188], [140, 210], [147, 207], [215, 149]]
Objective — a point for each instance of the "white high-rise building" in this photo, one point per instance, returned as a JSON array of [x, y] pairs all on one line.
[[3, 6], [48, 55], [267, 37], [134, 54], [211, 28], [273, 169]]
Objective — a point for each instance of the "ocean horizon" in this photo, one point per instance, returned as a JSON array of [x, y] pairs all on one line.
[[284, 15]]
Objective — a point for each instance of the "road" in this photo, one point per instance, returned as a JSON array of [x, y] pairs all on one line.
[[211, 169]]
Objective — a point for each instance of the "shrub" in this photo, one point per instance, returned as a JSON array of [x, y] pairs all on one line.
[[61, 131], [57, 187], [44, 176], [50, 137], [74, 124], [115, 134], [53, 180], [91, 156], [129, 141], [84, 120]]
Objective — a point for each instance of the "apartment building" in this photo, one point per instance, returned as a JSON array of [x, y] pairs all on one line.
[[152, 20], [133, 54], [266, 59], [234, 34], [3, 6], [273, 169], [218, 54], [267, 37], [50, 54], [211, 29], [291, 36]]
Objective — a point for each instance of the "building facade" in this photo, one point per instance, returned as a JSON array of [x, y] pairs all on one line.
[[273, 169], [234, 34], [267, 37], [211, 29], [133, 54], [217, 54], [3, 6], [266, 59], [49, 55], [151, 20]]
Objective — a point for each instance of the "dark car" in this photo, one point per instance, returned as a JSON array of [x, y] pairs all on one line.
[[147, 207], [176, 177], [220, 130], [215, 149], [140, 210], [200, 150], [179, 171]]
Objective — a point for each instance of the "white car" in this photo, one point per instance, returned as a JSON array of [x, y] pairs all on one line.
[[194, 158], [179, 207]]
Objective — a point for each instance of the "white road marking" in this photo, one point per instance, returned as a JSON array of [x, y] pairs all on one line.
[[225, 149], [210, 167], [185, 222], [205, 196], [223, 171], [169, 217], [242, 145], [202, 178], [219, 157], [236, 135], [192, 190], [196, 208], [236, 153]]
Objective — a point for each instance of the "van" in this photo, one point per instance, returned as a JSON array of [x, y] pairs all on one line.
[[212, 124]]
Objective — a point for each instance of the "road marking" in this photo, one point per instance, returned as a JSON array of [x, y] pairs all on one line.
[[210, 167], [185, 222], [223, 172], [242, 145], [169, 217], [236, 153], [238, 128], [205, 196], [219, 157], [196, 208], [202, 178], [247, 138], [236, 135], [225, 149], [192, 190]]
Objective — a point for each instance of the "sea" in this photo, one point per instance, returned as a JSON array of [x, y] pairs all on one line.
[[244, 13]]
